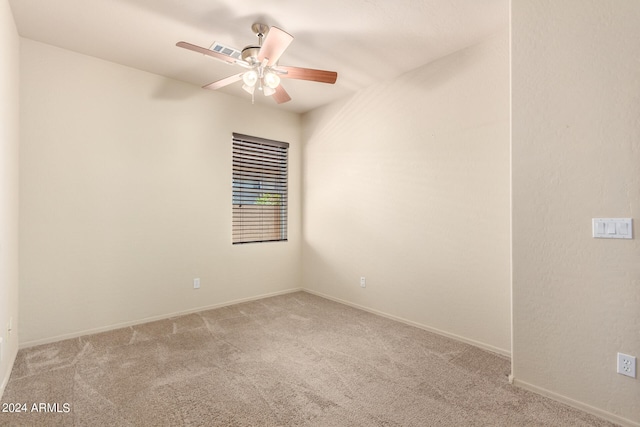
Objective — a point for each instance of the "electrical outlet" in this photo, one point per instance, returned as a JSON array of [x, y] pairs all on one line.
[[363, 282], [196, 283], [627, 365]]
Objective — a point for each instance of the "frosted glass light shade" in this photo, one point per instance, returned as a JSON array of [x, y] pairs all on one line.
[[250, 78], [271, 80]]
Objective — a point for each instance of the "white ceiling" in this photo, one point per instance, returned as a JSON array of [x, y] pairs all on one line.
[[365, 41]]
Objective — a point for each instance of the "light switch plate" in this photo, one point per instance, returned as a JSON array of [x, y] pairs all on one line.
[[612, 228]]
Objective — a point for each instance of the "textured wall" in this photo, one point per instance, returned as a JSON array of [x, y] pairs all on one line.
[[407, 184], [576, 155], [9, 142], [126, 196]]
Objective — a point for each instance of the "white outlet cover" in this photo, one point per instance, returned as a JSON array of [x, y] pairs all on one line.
[[627, 365]]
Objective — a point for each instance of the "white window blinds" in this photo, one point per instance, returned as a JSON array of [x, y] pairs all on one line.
[[259, 190]]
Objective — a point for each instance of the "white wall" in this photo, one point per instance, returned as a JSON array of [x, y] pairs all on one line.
[[576, 156], [9, 142], [126, 197], [407, 184]]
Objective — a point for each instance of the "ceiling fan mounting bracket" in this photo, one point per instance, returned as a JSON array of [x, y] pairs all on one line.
[[260, 30]]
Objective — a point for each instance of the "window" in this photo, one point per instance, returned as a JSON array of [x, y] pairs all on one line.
[[259, 190]]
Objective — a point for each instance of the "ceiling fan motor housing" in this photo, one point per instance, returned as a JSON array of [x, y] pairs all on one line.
[[250, 54]]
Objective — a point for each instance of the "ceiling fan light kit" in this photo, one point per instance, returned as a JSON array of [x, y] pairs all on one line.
[[261, 63]]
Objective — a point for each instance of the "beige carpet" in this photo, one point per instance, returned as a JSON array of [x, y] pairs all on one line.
[[291, 360]]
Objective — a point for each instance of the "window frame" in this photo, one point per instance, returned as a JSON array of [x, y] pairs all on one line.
[[259, 190]]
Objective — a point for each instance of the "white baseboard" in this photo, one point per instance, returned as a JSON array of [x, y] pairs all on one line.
[[149, 319], [481, 345], [576, 404]]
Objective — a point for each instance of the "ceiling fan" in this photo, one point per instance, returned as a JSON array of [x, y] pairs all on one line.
[[261, 64]]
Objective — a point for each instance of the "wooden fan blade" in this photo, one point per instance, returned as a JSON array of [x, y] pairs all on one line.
[[298, 73], [205, 51], [281, 96], [274, 45], [223, 82]]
